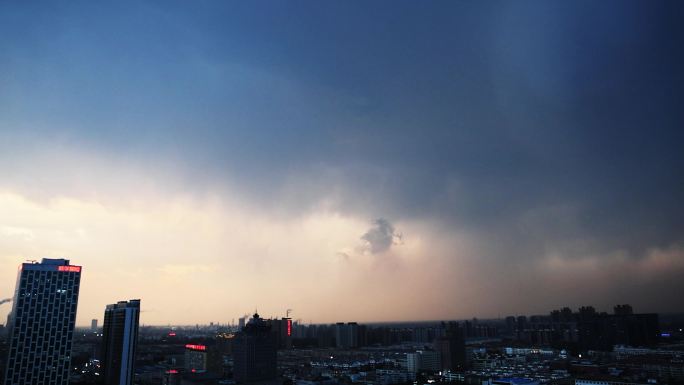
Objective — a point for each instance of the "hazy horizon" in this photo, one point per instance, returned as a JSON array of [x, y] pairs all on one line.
[[371, 323], [351, 161]]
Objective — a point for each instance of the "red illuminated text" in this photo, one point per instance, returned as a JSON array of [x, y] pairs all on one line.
[[70, 269], [196, 347]]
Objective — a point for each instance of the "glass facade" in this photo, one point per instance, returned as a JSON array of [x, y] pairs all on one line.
[[42, 323]]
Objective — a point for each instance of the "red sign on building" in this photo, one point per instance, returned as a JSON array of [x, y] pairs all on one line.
[[196, 347], [70, 269]]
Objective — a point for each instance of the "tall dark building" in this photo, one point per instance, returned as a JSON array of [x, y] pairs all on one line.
[[41, 324], [282, 328], [451, 347], [120, 337], [510, 325], [347, 335], [255, 352], [521, 323]]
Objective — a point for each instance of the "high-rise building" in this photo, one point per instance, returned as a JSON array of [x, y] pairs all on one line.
[[353, 334], [347, 335], [423, 360], [451, 347], [120, 336], [521, 323], [93, 326], [41, 324], [282, 328], [510, 325], [195, 358], [255, 352], [218, 353], [340, 334]]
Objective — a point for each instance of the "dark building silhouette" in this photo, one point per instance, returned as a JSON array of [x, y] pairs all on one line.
[[221, 346], [347, 335], [42, 323], [120, 337], [255, 352], [362, 336], [282, 328], [325, 335], [521, 323], [588, 329], [451, 347], [475, 329], [379, 336], [623, 310], [510, 325], [562, 315], [602, 331]]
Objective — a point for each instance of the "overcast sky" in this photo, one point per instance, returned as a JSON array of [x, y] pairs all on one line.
[[350, 160]]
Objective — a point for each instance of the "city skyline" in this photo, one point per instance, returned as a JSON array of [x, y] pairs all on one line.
[[352, 162]]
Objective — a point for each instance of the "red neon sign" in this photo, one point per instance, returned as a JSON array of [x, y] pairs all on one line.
[[196, 347], [172, 334], [172, 371], [70, 269], [289, 327]]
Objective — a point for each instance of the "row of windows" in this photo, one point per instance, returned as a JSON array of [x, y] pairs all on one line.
[[45, 346], [44, 298], [43, 328], [42, 285], [55, 378], [37, 361], [42, 282], [29, 359], [32, 315], [42, 366], [48, 299], [55, 321], [40, 360], [34, 292]]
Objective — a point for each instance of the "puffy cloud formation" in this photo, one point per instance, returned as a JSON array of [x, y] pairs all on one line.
[[380, 237]]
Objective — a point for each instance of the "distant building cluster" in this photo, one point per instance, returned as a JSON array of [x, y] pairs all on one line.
[[587, 328]]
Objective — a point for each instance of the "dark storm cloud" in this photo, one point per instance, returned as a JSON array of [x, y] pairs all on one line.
[[380, 237], [538, 126]]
